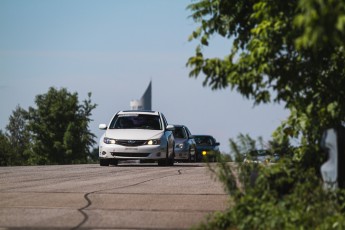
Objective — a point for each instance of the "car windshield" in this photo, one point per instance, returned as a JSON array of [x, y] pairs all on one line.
[[136, 121], [203, 140], [179, 133]]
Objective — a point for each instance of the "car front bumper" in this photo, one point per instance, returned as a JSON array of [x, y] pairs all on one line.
[[143, 152], [181, 154], [205, 154]]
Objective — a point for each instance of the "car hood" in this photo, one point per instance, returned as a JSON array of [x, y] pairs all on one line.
[[205, 147], [133, 134]]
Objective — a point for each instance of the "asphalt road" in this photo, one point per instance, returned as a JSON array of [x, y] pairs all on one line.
[[129, 196]]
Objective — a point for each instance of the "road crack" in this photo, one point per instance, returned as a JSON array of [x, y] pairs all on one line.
[[89, 202]]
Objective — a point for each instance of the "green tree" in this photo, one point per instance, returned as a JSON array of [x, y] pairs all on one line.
[[93, 157], [7, 155], [18, 135], [60, 128], [282, 51], [243, 145]]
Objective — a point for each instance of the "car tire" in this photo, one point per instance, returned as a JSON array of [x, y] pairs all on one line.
[[198, 158], [190, 158], [162, 162], [113, 162], [171, 160], [104, 162], [167, 161]]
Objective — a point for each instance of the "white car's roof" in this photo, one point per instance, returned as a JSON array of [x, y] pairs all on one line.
[[139, 112]]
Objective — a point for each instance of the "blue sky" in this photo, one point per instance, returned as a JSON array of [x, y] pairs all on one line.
[[113, 48]]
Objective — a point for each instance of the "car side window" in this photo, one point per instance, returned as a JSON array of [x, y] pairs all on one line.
[[188, 132], [165, 123], [213, 141], [184, 133], [112, 124]]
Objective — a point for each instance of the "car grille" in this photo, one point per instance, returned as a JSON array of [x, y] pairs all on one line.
[[130, 142], [117, 154]]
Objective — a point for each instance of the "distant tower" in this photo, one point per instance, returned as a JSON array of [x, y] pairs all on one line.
[[145, 103]]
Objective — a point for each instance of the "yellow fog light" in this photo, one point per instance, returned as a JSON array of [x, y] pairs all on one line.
[[204, 153]]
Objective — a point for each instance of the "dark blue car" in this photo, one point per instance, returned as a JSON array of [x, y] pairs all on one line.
[[207, 148]]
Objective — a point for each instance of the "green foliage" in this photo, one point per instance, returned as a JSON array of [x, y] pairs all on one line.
[[284, 195], [93, 157], [19, 135], [243, 145], [55, 132], [60, 128], [7, 155], [282, 51]]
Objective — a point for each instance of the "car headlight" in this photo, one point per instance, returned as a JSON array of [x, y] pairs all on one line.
[[153, 142], [179, 146], [109, 140]]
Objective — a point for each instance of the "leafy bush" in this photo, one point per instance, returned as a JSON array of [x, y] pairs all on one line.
[[276, 196]]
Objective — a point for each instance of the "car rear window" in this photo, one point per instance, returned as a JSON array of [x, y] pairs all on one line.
[[136, 121]]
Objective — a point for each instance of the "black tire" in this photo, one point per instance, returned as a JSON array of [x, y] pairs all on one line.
[[167, 161], [162, 162], [198, 158], [171, 160], [190, 158], [113, 162], [104, 162]]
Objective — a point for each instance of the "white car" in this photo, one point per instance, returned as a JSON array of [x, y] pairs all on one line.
[[137, 135]]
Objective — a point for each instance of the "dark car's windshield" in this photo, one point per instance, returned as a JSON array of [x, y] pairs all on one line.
[[203, 140], [136, 121]]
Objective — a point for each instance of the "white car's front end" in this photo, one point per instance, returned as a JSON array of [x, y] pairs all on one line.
[[133, 144], [137, 135]]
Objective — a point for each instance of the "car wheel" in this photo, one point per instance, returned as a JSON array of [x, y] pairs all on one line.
[[113, 162], [171, 160], [192, 155], [167, 161], [198, 158], [162, 162], [103, 162]]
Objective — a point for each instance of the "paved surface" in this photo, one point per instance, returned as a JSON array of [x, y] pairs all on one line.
[[129, 196]]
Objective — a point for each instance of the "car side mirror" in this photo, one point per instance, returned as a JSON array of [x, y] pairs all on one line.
[[102, 126], [170, 128], [217, 143]]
